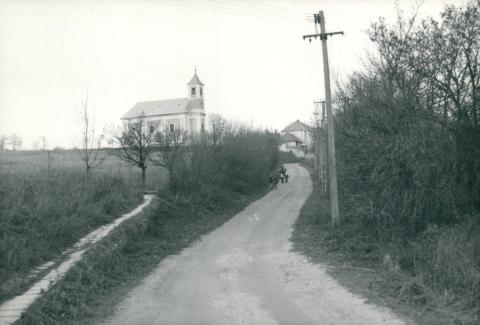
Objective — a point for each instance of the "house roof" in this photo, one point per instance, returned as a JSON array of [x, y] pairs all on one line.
[[288, 137], [163, 107], [297, 126], [195, 80]]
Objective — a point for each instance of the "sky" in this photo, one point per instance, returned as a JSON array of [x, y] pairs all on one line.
[[250, 55]]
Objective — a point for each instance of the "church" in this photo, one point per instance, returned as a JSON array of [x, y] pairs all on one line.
[[185, 114]]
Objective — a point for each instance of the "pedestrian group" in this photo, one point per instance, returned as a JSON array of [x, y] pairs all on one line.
[[281, 177]]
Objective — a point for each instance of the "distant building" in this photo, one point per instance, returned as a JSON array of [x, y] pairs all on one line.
[[297, 138], [186, 114]]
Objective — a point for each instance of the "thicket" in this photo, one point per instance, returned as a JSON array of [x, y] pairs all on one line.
[[232, 158], [408, 141], [42, 214]]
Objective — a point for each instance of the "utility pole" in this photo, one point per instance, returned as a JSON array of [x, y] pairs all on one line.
[[320, 144], [323, 150], [332, 168], [316, 134]]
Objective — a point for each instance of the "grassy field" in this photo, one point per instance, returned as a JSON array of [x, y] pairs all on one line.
[[36, 163], [46, 205]]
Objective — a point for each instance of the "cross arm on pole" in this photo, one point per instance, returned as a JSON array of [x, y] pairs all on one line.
[[321, 35]]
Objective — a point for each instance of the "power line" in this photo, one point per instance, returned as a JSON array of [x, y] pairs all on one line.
[[265, 7], [235, 8]]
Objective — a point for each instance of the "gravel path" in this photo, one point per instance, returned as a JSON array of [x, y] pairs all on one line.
[[245, 273]]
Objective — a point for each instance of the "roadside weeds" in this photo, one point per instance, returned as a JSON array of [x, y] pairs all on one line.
[[357, 261]]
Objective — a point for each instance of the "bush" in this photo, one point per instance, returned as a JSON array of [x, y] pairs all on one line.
[[240, 161]]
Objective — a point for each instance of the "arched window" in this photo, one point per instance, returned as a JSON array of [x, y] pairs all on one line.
[[193, 91], [201, 91]]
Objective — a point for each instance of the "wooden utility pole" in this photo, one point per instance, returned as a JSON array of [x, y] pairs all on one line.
[[332, 166], [316, 135], [320, 144], [323, 150]]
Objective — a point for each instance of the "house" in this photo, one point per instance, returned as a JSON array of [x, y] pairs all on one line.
[[289, 142], [186, 114], [297, 138]]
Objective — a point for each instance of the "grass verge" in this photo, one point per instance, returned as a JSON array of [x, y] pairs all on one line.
[[357, 260], [92, 289]]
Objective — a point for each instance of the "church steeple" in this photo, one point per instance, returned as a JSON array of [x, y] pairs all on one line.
[[195, 87]]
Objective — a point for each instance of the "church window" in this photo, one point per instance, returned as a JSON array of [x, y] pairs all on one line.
[[193, 91], [203, 124], [152, 128], [201, 91]]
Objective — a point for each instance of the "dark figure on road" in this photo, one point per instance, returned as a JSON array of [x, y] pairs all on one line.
[[282, 172], [273, 180]]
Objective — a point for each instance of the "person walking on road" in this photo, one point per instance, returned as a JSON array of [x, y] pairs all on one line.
[[282, 172], [273, 180]]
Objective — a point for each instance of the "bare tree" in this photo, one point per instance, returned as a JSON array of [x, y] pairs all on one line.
[[218, 128], [50, 155], [3, 142], [135, 141], [90, 143], [43, 142], [169, 145], [15, 142]]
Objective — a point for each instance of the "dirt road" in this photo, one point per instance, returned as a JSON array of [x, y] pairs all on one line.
[[244, 273]]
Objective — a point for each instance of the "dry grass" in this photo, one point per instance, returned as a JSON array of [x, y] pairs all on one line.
[[45, 208]]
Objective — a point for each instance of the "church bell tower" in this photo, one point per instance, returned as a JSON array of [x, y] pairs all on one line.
[[195, 88]]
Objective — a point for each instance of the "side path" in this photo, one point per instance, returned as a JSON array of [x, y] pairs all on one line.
[[245, 273], [12, 309]]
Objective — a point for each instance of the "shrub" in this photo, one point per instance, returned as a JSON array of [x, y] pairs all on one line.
[[240, 161]]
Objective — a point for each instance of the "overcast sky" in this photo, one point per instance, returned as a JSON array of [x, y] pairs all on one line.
[[250, 54]]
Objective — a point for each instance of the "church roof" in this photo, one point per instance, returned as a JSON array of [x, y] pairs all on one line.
[[195, 80], [163, 107], [297, 126], [288, 137]]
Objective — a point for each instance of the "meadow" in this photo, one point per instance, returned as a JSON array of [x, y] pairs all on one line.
[[47, 204]]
